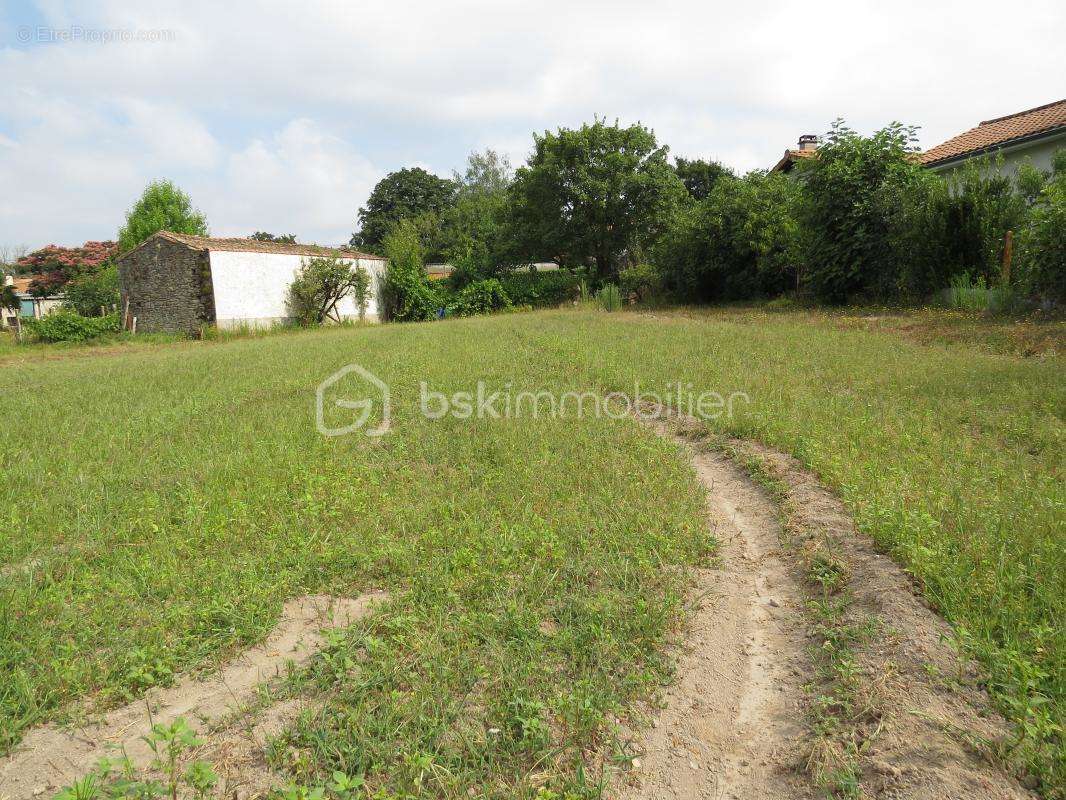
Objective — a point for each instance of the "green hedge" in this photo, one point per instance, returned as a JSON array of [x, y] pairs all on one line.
[[65, 325], [541, 289]]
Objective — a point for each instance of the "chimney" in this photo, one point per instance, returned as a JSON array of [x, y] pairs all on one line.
[[808, 142]]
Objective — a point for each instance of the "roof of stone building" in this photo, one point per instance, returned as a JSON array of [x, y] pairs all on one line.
[[254, 246], [993, 133]]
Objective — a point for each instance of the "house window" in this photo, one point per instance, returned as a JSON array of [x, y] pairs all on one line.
[[26, 308]]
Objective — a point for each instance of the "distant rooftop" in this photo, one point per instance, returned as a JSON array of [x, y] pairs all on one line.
[[994, 133]]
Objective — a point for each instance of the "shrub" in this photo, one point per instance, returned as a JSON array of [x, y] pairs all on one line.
[[609, 297], [320, 284], [406, 291], [641, 280], [480, 297], [55, 266], [541, 289], [65, 325], [1042, 245], [741, 241], [849, 244], [91, 291]]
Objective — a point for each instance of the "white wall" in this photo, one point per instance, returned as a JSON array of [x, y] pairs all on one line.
[[251, 287]]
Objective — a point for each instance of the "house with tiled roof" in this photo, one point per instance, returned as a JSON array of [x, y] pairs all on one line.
[[808, 146], [179, 283], [30, 305], [1033, 135]]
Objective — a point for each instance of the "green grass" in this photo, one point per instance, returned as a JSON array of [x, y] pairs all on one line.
[[176, 495]]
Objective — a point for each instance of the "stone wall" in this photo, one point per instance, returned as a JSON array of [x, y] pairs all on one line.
[[169, 287]]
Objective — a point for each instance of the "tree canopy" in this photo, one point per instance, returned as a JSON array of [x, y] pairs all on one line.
[[280, 238], [472, 234], [403, 194], [162, 207], [594, 193], [700, 176]]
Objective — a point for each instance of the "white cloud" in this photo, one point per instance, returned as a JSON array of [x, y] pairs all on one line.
[[302, 180], [227, 106]]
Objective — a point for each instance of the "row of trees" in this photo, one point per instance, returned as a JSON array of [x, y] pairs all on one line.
[[862, 220]]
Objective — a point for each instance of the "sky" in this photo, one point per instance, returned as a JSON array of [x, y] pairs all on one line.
[[282, 116]]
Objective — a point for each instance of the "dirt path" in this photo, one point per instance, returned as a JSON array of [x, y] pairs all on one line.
[[51, 757], [928, 731], [732, 727], [737, 724]]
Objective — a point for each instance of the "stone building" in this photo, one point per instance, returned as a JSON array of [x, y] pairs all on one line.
[[180, 283]]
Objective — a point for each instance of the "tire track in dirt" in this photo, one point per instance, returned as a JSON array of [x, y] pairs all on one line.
[[736, 724], [51, 757], [732, 726], [929, 730]]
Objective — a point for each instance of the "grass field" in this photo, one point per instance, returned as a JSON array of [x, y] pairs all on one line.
[[164, 500]]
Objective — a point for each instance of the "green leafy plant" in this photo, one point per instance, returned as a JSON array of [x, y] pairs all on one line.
[[594, 193], [480, 297], [296, 791], [346, 786], [399, 196], [320, 284], [407, 294], [1042, 250], [740, 242], [167, 743], [848, 233], [548, 289], [92, 291], [641, 280], [201, 777], [609, 297], [65, 325]]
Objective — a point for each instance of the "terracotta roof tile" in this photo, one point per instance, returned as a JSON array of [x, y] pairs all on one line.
[[1000, 131], [255, 246], [21, 283], [790, 156]]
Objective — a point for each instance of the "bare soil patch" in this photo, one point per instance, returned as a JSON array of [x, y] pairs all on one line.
[[732, 725], [52, 756]]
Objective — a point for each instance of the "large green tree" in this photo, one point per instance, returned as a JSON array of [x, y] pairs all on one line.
[[162, 207], [404, 194], [700, 176], [472, 234], [595, 193]]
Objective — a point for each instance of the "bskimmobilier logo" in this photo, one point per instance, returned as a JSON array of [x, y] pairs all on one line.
[[354, 388]]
